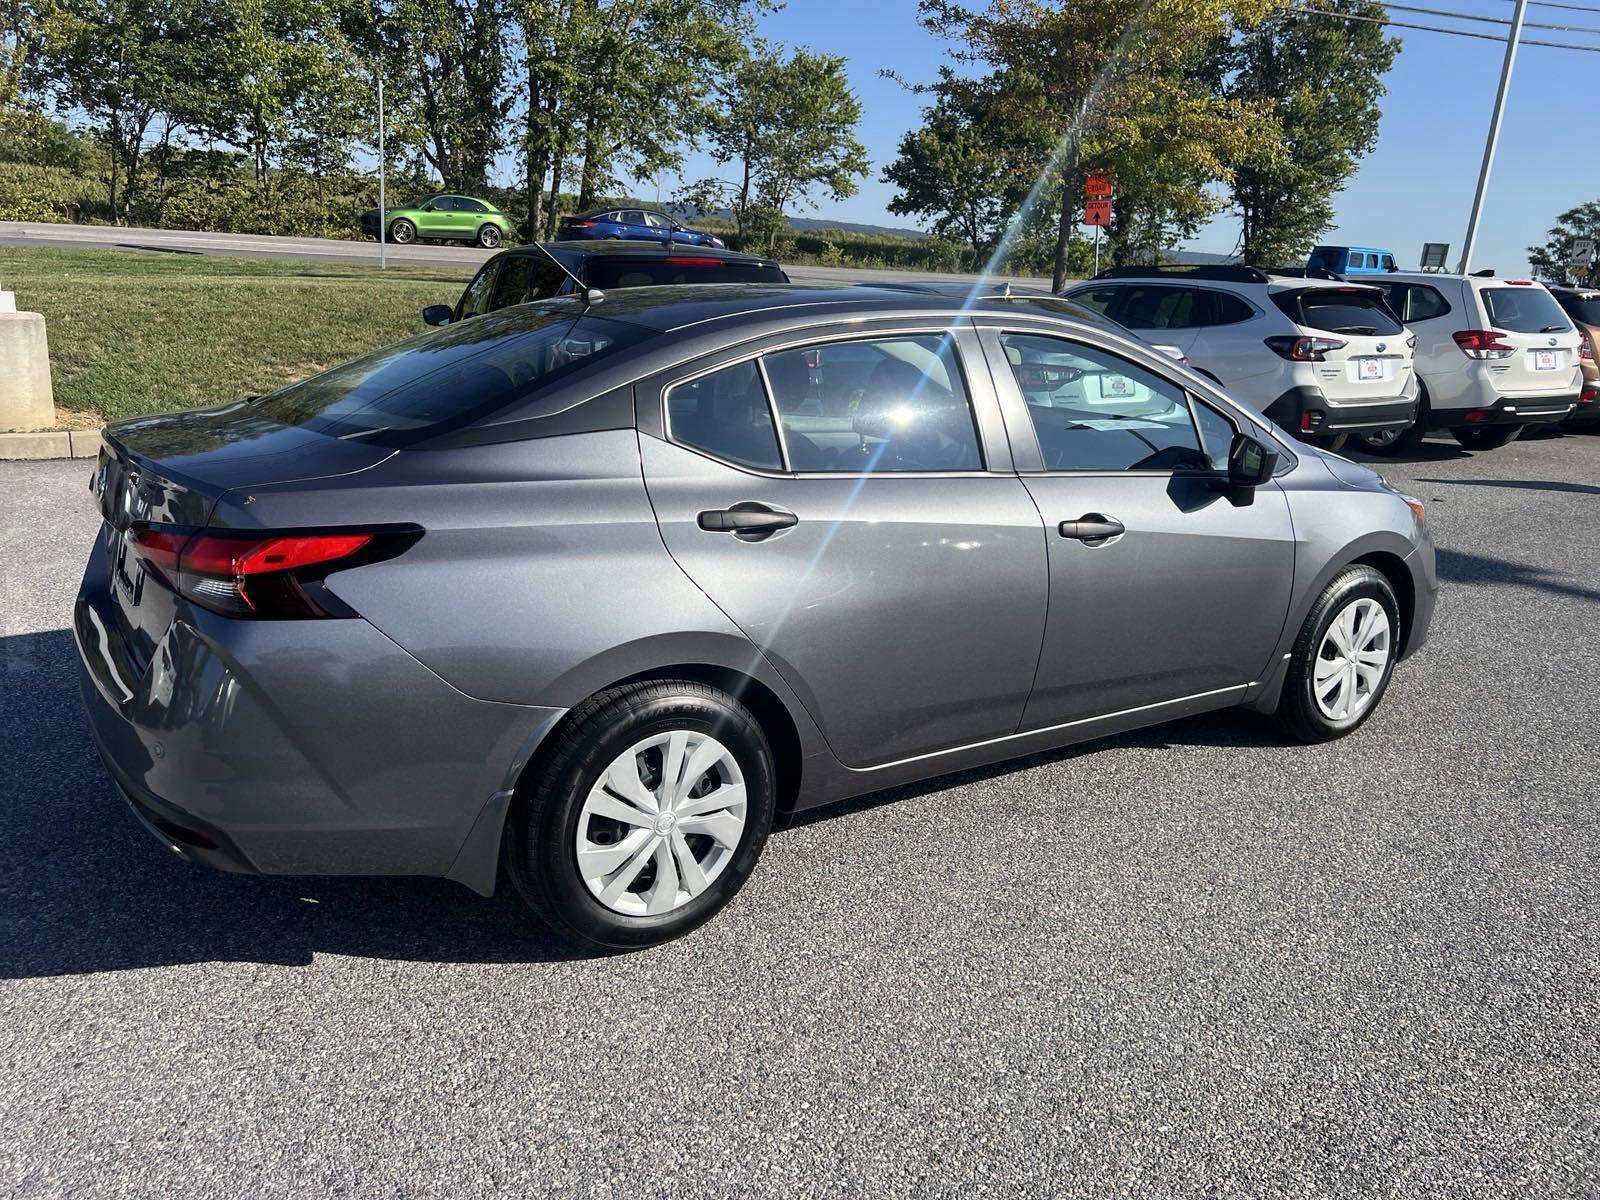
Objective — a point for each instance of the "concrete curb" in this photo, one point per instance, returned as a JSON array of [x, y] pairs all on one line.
[[57, 443]]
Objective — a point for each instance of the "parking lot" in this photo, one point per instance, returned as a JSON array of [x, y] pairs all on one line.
[[1190, 961]]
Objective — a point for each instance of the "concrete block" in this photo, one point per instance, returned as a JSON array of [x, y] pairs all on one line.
[[85, 443], [26, 399], [55, 444]]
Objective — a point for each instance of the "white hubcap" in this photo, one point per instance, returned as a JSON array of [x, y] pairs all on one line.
[[1351, 660], [661, 823]]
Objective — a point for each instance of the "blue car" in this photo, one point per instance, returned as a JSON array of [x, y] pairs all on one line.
[[1351, 260], [633, 225]]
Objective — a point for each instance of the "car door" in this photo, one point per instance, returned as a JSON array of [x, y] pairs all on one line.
[[1162, 586], [849, 503], [634, 227]]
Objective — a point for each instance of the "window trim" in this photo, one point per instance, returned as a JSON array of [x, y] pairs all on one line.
[[986, 469]]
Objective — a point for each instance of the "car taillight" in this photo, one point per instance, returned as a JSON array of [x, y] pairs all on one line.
[[1590, 393], [1304, 349], [1483, 343], [584, 224], [679, 260], [263, 575], [1585, 346]]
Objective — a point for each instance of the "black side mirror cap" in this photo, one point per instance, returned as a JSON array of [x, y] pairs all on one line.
[[438, 314], [1250, 463]]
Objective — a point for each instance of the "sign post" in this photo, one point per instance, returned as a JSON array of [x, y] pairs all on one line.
[[1097, 194]]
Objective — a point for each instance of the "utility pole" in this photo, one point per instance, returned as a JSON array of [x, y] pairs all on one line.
[[1494, 135], [383, 215]]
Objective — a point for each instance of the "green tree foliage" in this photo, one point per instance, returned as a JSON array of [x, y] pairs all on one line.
[[1549, 261], [1321, 80]]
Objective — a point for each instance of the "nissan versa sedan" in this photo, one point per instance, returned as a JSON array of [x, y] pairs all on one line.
[[587, 596]]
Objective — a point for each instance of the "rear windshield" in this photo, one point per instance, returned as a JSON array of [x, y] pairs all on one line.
[[1524, 310], [646, 272], [1353, 312], [1584, 308], [450, 377]]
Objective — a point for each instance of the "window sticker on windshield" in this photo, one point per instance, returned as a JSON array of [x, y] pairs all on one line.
[[1116, 385]]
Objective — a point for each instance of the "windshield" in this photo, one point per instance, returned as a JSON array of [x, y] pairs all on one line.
[[1524, 310], [449, 377]]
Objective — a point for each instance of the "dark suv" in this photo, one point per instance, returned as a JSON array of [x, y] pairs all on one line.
[[527, 273]]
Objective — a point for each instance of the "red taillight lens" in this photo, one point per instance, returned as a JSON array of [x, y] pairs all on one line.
[[1304, 349], [585, 224], [679, 260], [1483, 343], [1590, 394], [1585, 346], [261, 575]]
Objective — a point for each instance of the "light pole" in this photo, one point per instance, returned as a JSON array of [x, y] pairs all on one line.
[[1494, 136], [383, 230]]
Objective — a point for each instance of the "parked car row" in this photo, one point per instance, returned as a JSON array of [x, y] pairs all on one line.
[[1387, 355], [452, 218]]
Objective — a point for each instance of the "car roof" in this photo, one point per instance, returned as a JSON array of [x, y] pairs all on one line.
[[623, 207], [1269, 279], [572, 253], [1569, 292]]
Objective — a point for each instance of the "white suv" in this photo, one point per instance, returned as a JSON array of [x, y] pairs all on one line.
[[1493, 355], [1320, 357]]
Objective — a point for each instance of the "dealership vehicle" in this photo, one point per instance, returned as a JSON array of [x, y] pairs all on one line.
[[631, 225], [442, 218], [1583, 306], [1350, 260], [1493, 355], [588, 593], [548, 269], [1320, 357]]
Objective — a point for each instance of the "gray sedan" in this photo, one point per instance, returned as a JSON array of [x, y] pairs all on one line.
[[586, 595]]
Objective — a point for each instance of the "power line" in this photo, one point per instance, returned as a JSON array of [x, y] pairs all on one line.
[[1460, 16], [1468, 33]]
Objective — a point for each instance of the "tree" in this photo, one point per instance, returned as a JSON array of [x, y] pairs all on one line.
[[1321, 80], [1096, 74], [789, 123], [1549, 261]]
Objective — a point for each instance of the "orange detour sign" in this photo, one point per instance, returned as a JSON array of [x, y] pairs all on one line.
[[1097, 186], [1097, 212]]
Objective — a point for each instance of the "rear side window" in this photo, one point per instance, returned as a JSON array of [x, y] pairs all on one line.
[[1524, 310], [1159, 307], [473, 206], [1351, 311], [889, 404], [449, 377], [726, 415], [1416, 301], [609, 272], [1228, 310]]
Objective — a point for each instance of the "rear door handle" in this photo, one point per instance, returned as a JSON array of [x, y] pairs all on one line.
[[1092, 527], [747, 521]]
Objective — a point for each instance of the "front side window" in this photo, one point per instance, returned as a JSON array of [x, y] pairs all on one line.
[[1387, 262], [475, 299], [1524, 310], [726, 415], [1094, 411], [515, 276], [886, 404]]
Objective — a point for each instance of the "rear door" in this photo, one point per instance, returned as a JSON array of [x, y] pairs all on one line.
[[1546, 342], [634, 226], [1161, 588], [1373, 366], [891, 565]]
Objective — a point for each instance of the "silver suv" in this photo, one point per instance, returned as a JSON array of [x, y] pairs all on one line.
[[589, 595], [1321, 357]]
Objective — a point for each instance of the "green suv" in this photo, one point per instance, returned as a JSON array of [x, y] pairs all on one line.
[[445, 218]]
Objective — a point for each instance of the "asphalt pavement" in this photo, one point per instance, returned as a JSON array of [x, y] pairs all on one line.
[[1187, 962], [451, 254]]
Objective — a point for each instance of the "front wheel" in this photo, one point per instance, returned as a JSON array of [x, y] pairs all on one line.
[[1342, 659], [489, 237], [647, 817], [402, 232], [1485, 437]]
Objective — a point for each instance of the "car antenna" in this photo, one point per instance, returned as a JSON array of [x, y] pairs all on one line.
[[591, 296]]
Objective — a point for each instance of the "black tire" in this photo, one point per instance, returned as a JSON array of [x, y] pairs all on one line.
[[1333, 443], [1407, 441], [541, 837], [1298, 714], [1485, 437], [489, 237], [402, 232]]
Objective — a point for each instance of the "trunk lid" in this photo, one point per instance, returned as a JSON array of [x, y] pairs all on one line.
[[1546, 343], [1374, 364]]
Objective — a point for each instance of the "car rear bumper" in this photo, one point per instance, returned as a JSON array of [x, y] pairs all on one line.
[[296, 747], [1508, 410], [1304, 410]]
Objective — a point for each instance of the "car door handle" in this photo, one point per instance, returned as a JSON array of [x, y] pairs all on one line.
[[747, 521], [1092, 527]]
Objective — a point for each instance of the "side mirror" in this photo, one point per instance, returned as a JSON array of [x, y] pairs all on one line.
[[438, 314], [1250, 464]]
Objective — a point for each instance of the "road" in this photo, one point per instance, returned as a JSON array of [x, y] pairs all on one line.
[[1187, 962], [241, 245]]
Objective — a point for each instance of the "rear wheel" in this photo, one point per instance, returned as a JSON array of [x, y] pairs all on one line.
[[647, 818], [402, 232], [489, 237], [1485, 437], [1342, 659]]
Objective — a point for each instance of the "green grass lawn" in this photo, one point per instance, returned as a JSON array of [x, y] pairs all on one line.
[[136, 333]]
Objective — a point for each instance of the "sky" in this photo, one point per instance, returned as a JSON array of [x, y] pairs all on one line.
[[1415, 185]]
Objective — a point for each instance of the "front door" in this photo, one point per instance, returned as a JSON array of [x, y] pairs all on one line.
[[870, 542], [1162, 587]]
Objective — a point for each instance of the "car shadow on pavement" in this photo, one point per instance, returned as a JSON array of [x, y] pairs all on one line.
[[84, 888], [1531, 485], [1457, 566]]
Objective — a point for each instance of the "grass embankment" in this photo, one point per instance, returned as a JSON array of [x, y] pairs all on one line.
[[135, 333]]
